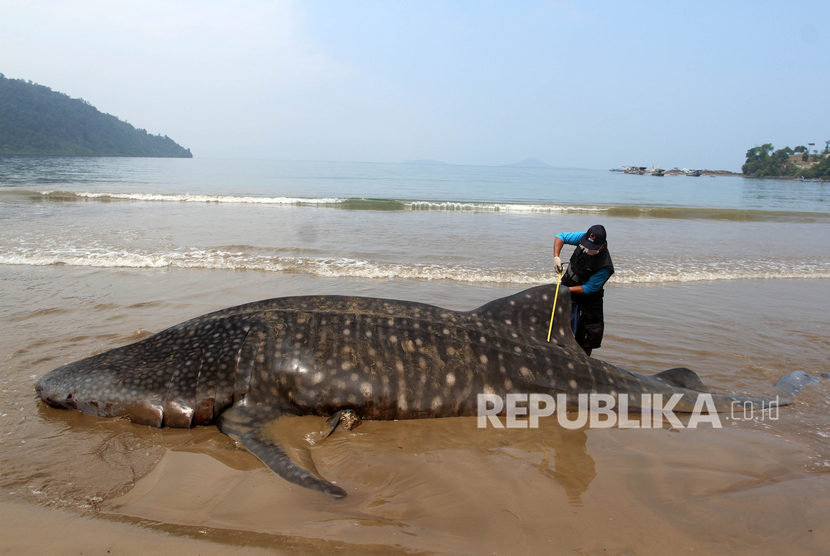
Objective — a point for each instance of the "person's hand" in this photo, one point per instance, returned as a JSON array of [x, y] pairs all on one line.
[[557, 265]]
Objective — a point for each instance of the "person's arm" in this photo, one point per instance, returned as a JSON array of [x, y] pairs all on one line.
[[594, 283], [557, 245], [571, 238]]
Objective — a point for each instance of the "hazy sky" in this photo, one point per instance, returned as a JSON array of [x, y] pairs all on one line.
[[579, 84]]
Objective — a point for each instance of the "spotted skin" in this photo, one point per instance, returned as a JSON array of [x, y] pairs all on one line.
[[245, 366]]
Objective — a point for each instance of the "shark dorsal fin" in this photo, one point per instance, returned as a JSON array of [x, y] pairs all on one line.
[[529, 314]]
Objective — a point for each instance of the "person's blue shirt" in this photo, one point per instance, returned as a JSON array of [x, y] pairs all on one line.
[[597, 279]]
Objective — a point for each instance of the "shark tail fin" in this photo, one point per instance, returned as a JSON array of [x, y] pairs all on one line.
[[791, 384]]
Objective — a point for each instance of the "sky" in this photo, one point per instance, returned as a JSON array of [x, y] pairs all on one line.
[[575, 84]]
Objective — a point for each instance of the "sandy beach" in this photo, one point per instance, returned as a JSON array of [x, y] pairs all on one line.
[[642, 493], [164, 163], [76, 484]]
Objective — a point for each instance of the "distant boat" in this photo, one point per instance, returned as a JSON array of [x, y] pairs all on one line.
[[692, 172], [657, 172]]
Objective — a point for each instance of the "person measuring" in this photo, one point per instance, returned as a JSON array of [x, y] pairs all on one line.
[[588, 270]]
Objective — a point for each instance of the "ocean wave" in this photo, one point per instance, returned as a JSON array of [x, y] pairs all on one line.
[[188, 198], [345, 267], [350, 203], [392, 204], [470, 206]]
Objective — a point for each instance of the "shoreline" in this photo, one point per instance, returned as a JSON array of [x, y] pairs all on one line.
[[729, 173]]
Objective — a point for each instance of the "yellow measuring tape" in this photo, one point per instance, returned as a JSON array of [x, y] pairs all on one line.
[[553, 309]]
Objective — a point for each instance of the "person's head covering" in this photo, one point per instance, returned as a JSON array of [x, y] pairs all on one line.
[[594, 238]]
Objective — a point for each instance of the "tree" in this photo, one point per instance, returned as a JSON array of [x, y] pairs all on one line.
[[766, 161], [35, 120], [758, 160]]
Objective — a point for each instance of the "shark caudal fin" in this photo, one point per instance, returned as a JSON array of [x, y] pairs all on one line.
[[791, 384], [529, 313], [246, 425]]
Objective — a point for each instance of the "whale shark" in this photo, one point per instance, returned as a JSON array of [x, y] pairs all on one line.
[[354, 358]]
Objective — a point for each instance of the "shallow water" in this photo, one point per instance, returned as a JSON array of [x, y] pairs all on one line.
[[435, 485], [479, 225]]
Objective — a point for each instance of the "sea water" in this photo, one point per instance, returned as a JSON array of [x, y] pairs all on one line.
[[470, 224]]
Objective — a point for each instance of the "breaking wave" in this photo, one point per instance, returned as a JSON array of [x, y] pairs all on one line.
[[391, 204], [345, 267]]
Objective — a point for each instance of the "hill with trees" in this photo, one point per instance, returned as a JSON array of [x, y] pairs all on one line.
[[35, 120], [765, 161]]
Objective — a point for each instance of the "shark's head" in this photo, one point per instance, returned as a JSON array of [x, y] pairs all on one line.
[[180, 377], [93, 385], [116, 383]]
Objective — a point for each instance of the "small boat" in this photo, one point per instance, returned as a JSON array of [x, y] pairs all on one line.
[[692, 172]]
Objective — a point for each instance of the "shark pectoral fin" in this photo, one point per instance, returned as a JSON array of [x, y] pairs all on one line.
[[347, 417], [682, 377], [246, 425]]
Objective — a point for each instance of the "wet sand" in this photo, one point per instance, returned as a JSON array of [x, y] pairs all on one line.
[[445, 487], [73, 483]]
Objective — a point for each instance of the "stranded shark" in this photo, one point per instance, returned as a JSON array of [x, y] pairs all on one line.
[[245, 366]]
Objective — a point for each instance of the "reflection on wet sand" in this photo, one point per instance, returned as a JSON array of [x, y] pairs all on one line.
[[572, 468], [443, 484], [425, 481]]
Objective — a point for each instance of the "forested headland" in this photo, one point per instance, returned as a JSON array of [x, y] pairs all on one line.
[[765, 161], [35, 120]]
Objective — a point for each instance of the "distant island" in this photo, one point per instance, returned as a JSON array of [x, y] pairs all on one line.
[[35, 120], [529, 163], [765, 161], [526, 163], [425, 162]]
